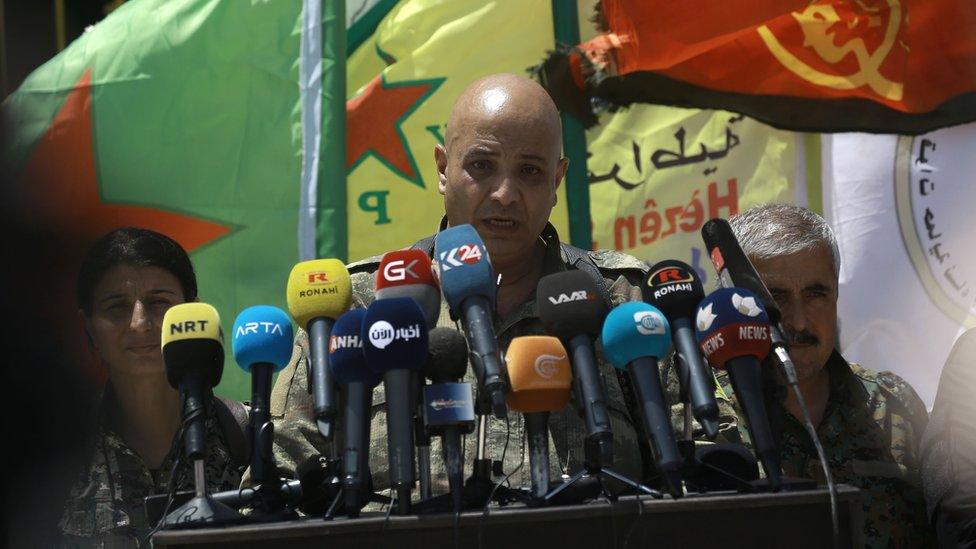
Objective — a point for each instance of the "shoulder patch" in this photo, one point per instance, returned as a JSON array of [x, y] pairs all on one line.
[[897, 390], [367, 265], [611, 260]]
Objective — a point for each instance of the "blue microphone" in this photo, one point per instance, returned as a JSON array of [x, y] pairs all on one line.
[[468, 285], [394, 336], [263, 343], [635, 336], [348, 365]]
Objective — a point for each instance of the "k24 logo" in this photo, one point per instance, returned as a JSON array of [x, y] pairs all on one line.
[[458, 257]]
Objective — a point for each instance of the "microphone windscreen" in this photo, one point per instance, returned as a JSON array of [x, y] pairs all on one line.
[[674, 288], [394, 335], [427, 296], [346, 358], [463, 266], [540, 374], [732, 323], [262, 334], [193, 342], [569, 304], [318, 288], [634, 330], [447, 359]]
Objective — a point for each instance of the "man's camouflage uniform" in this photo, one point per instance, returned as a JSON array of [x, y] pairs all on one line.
[[105, 506], [296, 436], [870, 432]]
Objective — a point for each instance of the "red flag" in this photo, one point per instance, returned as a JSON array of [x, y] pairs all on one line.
[[894, 66]]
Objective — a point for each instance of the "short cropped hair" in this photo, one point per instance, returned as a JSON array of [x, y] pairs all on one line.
[[774, 230], [135, 247]]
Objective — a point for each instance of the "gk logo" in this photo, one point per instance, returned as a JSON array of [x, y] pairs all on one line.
[[396, 271]]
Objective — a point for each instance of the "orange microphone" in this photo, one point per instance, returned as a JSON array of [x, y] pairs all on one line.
[[540, 376]]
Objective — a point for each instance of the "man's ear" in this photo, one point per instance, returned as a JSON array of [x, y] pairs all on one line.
[[440, 158], [561, 169]]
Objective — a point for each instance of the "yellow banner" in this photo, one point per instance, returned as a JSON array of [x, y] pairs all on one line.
[[658, 173]]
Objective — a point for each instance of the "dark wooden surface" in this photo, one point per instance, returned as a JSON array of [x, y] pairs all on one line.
[[795, 520]]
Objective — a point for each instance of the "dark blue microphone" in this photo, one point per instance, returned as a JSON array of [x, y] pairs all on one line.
[[348, 365], [468, 284], [263, 344], [394, 335], [733, 332], [635, 336]]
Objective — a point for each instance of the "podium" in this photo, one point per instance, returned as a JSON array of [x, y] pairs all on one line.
[[786, 519]]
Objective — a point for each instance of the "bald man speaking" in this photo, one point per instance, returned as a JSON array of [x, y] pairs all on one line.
[[498, 170]]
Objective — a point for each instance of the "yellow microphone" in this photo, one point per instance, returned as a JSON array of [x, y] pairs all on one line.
[[318, 292], [193, 351], [541, 377]]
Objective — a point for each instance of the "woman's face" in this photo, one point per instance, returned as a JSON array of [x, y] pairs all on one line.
[[127, 315]]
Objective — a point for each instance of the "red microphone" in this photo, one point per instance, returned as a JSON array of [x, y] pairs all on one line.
[[408, 273]]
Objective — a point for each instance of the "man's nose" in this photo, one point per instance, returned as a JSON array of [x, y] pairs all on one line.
[[794, 314], [505, 191], [140, 321]]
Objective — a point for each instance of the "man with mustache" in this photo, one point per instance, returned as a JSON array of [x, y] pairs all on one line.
[[869, 423]]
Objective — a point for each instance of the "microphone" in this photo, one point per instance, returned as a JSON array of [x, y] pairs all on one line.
[[735, 270], [394, 335], [675, 290], [635, 336], [348, 365], [570, 308], [409, 273], [193, 352], [541, 376], [262, 345], [318, 292], [733, 332], [468, 284], [448, 403]]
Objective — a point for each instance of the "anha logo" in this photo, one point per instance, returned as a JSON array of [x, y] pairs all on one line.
[[935, 217], [842, 49], [547, 365], [458, 257], [579, 295]]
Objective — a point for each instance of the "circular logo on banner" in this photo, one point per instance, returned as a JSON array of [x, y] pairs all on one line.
[[935, 196]]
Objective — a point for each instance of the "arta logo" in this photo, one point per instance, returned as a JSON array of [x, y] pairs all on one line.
[[317, 277], [547, 365], [823, 29], [705, 317], [398, 270], [457, 257], [253, 328], [745, 305], [668, 275], [381, 334], [649, 323]]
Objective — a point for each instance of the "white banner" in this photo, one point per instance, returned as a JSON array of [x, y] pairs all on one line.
[[903, 212]]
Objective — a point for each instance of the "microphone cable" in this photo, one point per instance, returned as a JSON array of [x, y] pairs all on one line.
[[818, 446], [491, 495], [171, 480]]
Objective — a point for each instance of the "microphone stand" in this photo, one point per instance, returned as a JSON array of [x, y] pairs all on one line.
[[598, 445]]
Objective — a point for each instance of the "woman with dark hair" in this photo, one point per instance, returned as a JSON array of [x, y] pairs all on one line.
[[127, 282]]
